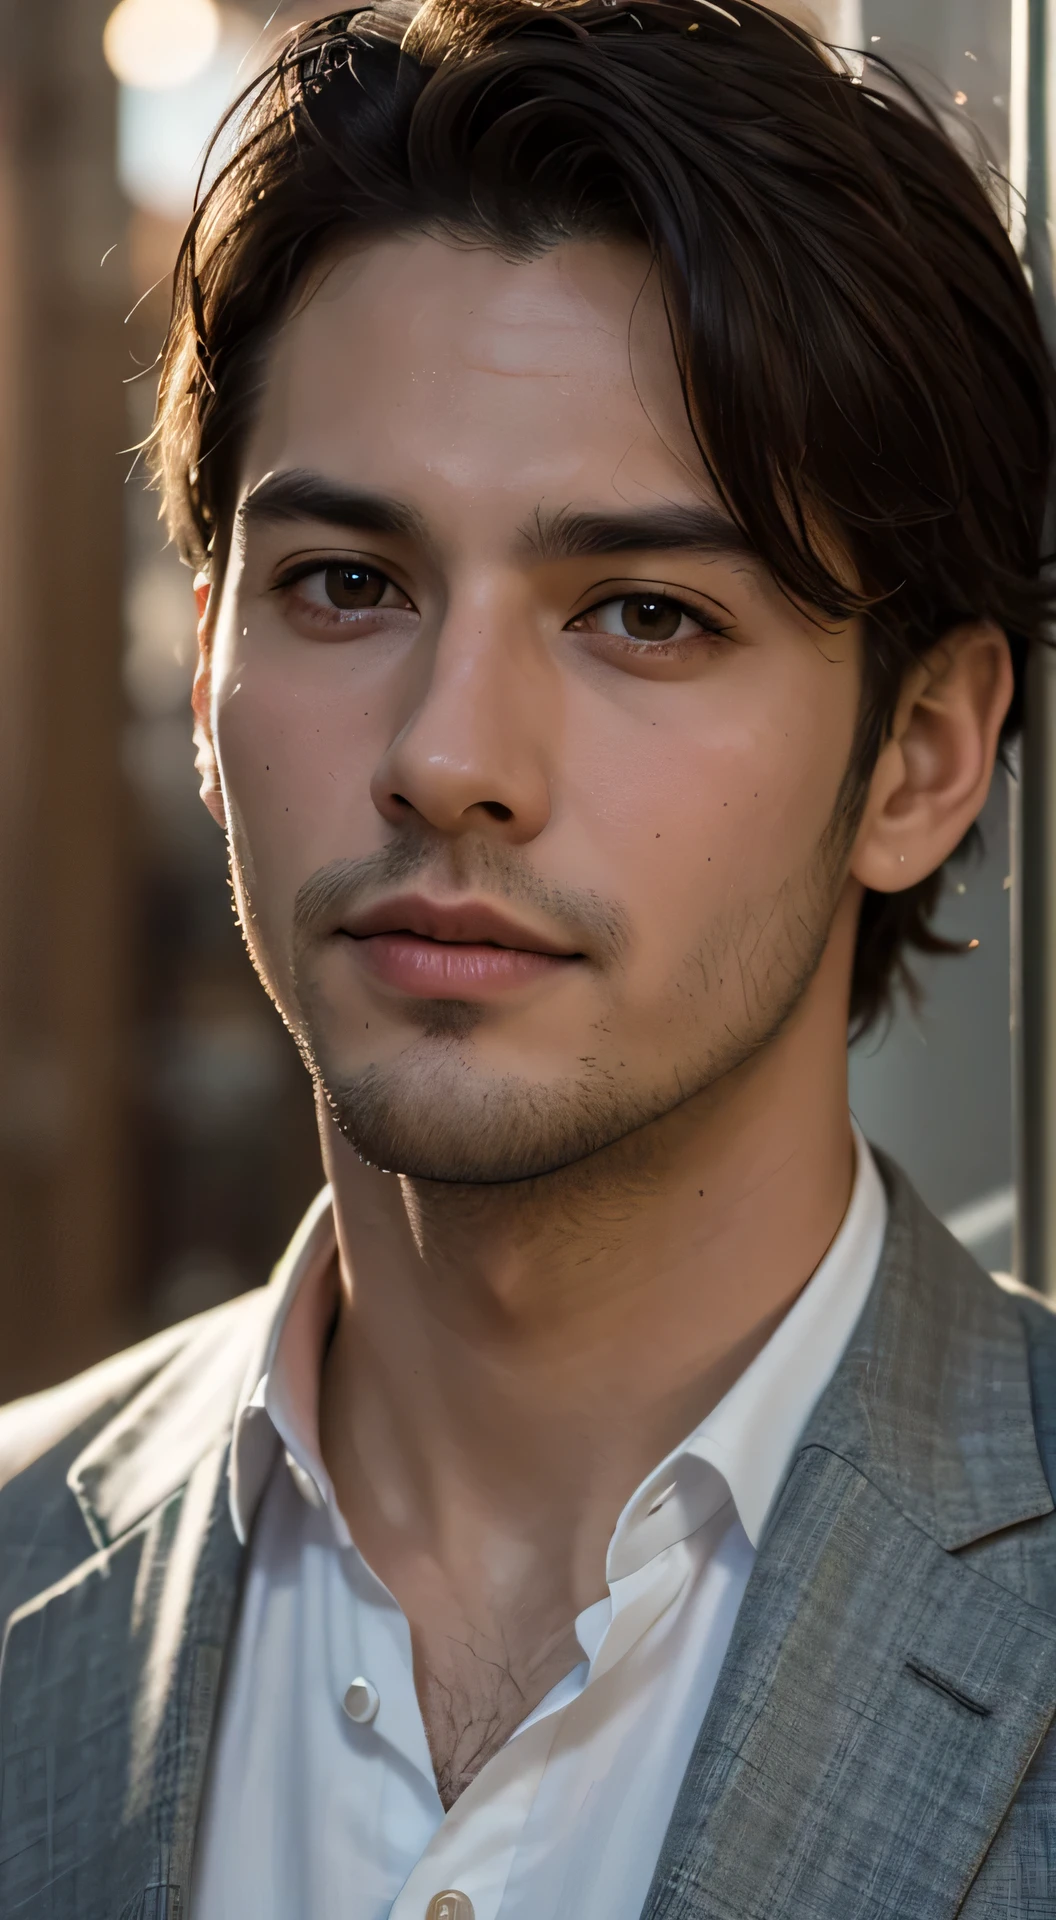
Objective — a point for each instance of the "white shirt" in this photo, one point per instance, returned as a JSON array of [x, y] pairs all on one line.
[[311, 1814]]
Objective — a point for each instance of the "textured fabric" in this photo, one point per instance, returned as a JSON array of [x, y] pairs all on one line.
[[878, 1745], [307, 1812], [114, 1634], [883, 1696]]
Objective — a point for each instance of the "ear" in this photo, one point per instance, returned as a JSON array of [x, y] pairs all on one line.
[[201, 697], [934, 770]]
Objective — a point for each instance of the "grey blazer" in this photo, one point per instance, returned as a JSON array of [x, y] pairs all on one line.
[[880, 1744]]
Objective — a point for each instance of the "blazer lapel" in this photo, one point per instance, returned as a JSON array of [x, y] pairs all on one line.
[[882, 1697], [109, 1679]]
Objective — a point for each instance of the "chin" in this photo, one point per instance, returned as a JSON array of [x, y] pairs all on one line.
[[441, 1120]]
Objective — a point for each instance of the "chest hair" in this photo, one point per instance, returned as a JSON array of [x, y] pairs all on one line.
[[475, 1688]]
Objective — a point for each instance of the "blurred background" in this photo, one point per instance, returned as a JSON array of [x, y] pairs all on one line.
[[157, 1138]]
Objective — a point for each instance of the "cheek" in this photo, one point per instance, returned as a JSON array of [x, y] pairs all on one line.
[[295, 765], [693, 809]]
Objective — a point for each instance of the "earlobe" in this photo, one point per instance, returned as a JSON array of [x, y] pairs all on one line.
[[201, 700], [933, 772]]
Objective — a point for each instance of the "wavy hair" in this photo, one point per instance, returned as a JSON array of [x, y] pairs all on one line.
[[858, 347]]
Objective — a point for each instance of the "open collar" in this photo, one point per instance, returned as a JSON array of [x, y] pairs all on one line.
[[931, 1400], [878, 1707], [744, 1445]]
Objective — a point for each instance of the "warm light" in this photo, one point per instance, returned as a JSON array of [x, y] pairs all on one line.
[[162, 135], [160, 43]]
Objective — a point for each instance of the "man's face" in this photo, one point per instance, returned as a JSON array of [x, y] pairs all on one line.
[[529, 770]]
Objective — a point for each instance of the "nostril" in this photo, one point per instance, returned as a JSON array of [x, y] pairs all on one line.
[[497, 810], [400, 801]]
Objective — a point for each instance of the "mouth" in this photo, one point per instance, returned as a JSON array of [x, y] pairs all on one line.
[[440, 950]]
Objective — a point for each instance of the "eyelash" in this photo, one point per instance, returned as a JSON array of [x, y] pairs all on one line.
[[710, 625], [306, 569]]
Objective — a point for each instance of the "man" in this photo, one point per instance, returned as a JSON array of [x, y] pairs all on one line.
[[614, 446]]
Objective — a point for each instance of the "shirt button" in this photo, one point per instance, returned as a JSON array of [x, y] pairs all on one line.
[[361, 1703], [451, 1905]]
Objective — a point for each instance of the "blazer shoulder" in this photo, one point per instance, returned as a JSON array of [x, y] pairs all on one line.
[[43, 1535], [48, 1422], [1037, 1314], [1038, 1317]]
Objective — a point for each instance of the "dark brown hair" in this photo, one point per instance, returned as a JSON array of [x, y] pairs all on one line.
[[859, 349]]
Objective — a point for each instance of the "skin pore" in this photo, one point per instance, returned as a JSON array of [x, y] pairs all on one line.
[[535, 786]]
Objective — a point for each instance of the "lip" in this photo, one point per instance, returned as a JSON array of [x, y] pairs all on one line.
[[454, 923], [457, 950]]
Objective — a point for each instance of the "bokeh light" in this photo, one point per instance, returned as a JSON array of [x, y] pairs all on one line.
[[160, 43], [163, 133]]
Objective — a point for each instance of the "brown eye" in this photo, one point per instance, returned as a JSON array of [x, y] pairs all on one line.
[[650, 617], [351, 586], [646, 622], [644, 618]]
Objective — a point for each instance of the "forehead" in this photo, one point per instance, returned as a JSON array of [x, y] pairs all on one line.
[[421, 361]]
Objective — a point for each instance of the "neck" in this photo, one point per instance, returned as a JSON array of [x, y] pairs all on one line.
[[509, 1362]]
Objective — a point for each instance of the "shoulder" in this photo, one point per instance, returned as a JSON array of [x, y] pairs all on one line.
[[43, 1534], [1037, 1313], [1038, 1317], [38, 1424], [44, 1423]]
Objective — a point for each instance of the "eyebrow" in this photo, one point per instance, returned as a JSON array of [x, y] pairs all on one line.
[[698, 529], [298, 494]]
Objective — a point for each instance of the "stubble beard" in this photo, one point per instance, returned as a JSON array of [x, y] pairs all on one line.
[[435, 1115]]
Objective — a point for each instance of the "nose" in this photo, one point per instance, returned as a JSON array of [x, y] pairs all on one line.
[[473, 754]]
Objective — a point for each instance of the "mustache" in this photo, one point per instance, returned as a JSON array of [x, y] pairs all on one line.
[[591, 924]]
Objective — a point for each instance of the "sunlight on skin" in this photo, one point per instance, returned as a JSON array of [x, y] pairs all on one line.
[[688, 785], [620, 1107]]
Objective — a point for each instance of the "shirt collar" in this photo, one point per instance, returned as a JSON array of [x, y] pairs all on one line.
[[742, 1450], [279, 1402]]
